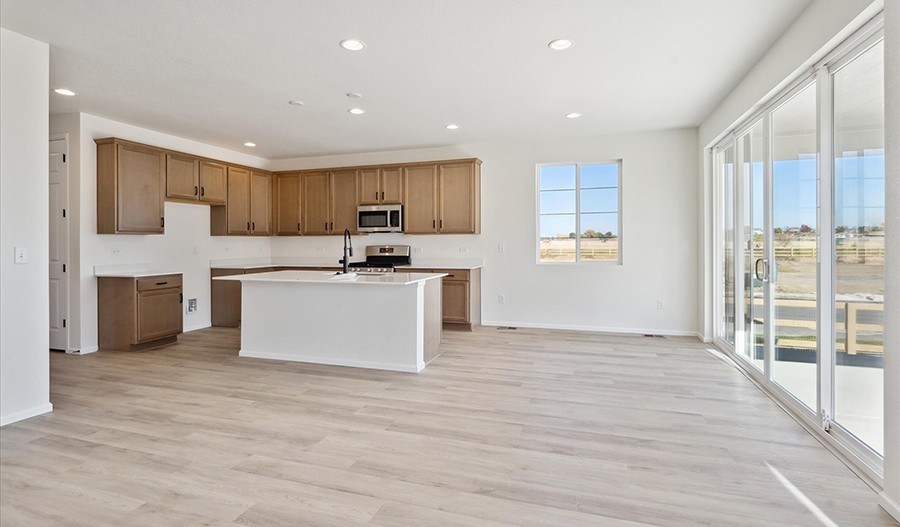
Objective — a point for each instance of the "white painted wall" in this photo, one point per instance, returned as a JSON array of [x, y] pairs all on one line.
[[660, 177], [24, 222], [187, 226], [891, 495]]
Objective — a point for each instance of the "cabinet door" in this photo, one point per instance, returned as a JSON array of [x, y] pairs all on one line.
[[260, 203], [420, 199], [391, 185], [182, 177], [287, 204], [344, 200], [369, 186], [238, 206], [140, 185], [315, 203], [457, 198], [159, 314], [455, 301], [213, 182], [225, 299]]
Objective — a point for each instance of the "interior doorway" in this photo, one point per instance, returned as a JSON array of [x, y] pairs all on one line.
[[59, 244]]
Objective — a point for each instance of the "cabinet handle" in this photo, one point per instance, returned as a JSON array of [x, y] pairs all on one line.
[[442, 224], [248, 225], [254, 226], [332, 225], [382, 196], [376, 195], [162, 222], [326, 225], [195, 190], [202, 191], [449, 276], [161, 283], [180, 298], [434, 224], [298, 225]]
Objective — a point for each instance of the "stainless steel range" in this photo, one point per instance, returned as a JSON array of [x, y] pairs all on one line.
[[382, 259]]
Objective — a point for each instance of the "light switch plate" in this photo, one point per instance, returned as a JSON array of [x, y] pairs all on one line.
[[21, 255]]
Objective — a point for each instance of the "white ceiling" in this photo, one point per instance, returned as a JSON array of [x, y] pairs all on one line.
[[222, 71]]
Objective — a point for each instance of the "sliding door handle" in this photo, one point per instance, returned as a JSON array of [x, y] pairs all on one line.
[[764, 277]]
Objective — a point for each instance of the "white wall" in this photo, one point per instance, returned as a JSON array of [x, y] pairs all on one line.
[[187, 226], [24, 222], [659, 233]]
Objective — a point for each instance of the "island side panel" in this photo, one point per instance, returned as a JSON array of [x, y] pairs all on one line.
[[366, 326], [433, 325]]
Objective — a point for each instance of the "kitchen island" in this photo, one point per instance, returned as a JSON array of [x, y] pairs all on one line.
[[388, 321]]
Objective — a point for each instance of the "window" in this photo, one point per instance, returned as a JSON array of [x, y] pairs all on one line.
[[578, 212]]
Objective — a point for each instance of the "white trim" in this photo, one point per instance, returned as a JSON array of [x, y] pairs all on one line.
[[864, 33], [596, 329], [85, 351], [889, 505], [331, 361], [195, 328], [25, 414]]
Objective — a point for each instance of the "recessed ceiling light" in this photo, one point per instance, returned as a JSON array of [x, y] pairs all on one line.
[[249, 144], [354, 95], [63, 91], [356, 111], [452, 126], [573, 115], [295, 103], [352, 44], [560, 44]]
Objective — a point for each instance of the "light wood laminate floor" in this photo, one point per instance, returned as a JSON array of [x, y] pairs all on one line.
[[507, 428]]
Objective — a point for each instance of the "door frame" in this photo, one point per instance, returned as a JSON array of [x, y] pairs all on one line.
[[66, 282]]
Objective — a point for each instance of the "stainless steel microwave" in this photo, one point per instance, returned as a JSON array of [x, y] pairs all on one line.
[[379, 218]]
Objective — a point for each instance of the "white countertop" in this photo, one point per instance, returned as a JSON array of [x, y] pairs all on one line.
[[322, 277], [417, 263], [137, 270]]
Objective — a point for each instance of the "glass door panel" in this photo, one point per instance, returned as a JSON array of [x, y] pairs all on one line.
[[794, 270], [859, 217], [726, 171], [750, 153]]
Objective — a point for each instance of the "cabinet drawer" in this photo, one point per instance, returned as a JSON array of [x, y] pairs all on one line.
[[454, 275], [159, 282]]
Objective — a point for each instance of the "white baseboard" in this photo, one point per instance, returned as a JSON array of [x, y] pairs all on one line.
[[25, 414], [597, 329], [889, 505], [332, 361], [195, 328]]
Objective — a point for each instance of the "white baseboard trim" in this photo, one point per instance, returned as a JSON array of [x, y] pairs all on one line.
[[195, 328], [332, 361], [597, 329], [25, 414], [889, 505]]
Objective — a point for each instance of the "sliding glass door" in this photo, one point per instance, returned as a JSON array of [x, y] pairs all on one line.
[[800, 242]]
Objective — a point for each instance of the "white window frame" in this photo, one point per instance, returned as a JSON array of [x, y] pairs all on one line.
[[537, 208]]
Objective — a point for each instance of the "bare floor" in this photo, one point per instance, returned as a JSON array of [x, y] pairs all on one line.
[[507, 427]]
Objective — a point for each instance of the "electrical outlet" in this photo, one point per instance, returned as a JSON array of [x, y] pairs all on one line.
[[463, 249], [196, 250], [21, 255], [320, 248], [660, 304], [501, 299], [501, 248], [418, 250], [226, 249], [116, 252], [191, 305]]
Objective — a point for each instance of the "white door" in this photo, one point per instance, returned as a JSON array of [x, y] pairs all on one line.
[[59, 246]]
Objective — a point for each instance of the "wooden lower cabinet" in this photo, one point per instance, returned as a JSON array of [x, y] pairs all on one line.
[[225, 296], [136, 314]]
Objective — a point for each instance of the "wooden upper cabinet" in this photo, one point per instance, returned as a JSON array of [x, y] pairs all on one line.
[[344, 201], [380, 186], [131, 188], [238, 207], [420, 199], [369, 186], [260, 203], [213, 182], [457, 199], [287, 204], [315, 203], [182, 177], [391, 185]]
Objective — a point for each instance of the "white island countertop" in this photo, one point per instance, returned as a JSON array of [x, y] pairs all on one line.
[[417, 263], [322, 277]]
